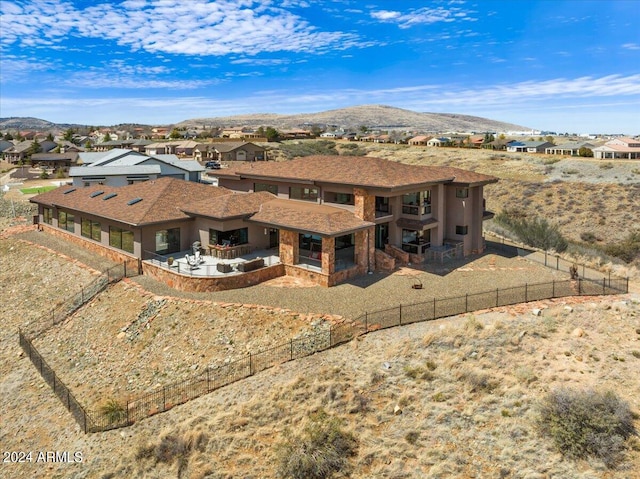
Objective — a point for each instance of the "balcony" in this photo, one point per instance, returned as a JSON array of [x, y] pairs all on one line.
[[416, 210]]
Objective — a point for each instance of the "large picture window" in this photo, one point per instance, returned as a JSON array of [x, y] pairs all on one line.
[[66, 221], [416, 241], [91, 229], [121, 239], [229, 238], [47, 216], [265, 187], [418, 203], [339, 198], [168, 241], [306, 194]]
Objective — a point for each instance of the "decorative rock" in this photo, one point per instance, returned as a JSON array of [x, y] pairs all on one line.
[[568, 309], [397, 410], [386, 365], [578, 333]]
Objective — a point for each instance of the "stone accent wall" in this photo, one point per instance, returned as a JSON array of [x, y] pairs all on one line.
[[365, 204], [289, 247], [194, 284], [397, 253], [329, 255], [384, 261], [317, 277]]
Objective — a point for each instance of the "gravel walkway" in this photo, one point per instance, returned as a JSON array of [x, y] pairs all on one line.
[[369, 293]]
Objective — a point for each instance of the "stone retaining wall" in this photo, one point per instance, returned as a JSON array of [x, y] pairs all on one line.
[[198, 284]]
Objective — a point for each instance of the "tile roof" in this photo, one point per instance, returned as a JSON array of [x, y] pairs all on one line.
[[308, 217], [353, 170], [162, 200], [232, 205]]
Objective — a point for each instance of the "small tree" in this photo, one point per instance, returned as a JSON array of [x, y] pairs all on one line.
[[272, 134], [322, 450], [587, 423], [175, 134], [585, 152]]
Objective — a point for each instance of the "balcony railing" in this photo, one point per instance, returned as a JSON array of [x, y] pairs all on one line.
[[416, 209]]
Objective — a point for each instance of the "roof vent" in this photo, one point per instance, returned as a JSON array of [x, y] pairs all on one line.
[[134, 201], [71, 190], [109, 196], [96, 193]]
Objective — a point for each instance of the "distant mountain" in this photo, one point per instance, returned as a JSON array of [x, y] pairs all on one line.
[[29, 123], [372, 116]]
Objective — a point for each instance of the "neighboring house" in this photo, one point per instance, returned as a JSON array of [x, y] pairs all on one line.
[[529, 146], [329, 218], [498, 144], [121, 167], [19, 152], [55, 161], [237, 151], [5, 145], [331, 134], [296, 134], [442, 141], [420, 140], [571, 148], [618, 148]]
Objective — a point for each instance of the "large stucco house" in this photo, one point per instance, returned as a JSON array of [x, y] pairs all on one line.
[[618, 149], [327, 218]]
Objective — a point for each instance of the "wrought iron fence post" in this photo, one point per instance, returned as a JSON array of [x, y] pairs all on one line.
[[400, 310], [497, 295], [208, 385], [526, 293], [466, 302], [579, 286], [128, 419], [434, 308], [604, 283], [366, 321], [291, 348], [250, 364], [553, 288]]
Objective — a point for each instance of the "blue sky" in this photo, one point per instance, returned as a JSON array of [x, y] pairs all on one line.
[[563, 65]]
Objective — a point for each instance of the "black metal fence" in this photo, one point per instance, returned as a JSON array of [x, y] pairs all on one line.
[[62, 311], [213, 378]]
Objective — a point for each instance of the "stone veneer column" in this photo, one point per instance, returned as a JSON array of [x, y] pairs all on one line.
[[289, 247], [328, 255], [365, 209], [365, 204]]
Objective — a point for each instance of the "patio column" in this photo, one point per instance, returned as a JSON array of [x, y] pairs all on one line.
[[365, 204], [289, 247], [365, 250], [328, 255]]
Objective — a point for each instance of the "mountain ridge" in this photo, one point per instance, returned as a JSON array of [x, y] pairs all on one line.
[[350, 118]]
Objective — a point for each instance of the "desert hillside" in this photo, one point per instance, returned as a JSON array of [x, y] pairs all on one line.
[[372, 116]]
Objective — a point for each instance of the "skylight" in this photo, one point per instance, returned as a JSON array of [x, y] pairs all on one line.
[[96, 193], [134, 201], [71, 190], [109, 196]]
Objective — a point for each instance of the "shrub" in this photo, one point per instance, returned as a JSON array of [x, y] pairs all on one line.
[[308, 148], [628, 249], [113, 411], [587, 423], [322, 449], [587, 237], [537, 232]]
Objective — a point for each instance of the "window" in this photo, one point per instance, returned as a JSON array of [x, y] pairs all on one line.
[[65, 221], [47, 215], [462, 230], [410, 203], [306, 194], [265, 187], [90, 229], [339, 198], [121, 239], [229, 238], [462, 192], [168, 241], [416, 241]]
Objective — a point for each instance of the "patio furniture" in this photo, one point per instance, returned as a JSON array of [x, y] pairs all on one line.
[[251, 265], [224, 268]]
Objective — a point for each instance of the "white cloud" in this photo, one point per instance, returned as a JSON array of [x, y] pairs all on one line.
[[631, 46], [195, 27], [425, 15]]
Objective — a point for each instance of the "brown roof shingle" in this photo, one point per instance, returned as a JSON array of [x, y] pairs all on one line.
[[230, 205], [356, 171], [162, 200], [309, 217]]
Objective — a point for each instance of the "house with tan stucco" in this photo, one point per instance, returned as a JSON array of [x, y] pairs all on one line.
[[325, 218]]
